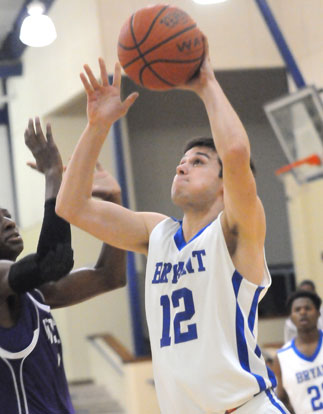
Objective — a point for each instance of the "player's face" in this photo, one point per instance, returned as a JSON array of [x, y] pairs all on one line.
[[197, 183], [11, 243], [304, 314]]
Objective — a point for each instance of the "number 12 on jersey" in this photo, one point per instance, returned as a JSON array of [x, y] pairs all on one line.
[[185, 296]]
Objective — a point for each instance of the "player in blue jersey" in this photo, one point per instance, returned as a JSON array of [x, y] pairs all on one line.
[[290, 330], [299, 363], [32, 379], [206, 273]]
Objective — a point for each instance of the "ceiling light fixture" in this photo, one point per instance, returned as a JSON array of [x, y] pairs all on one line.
[[37, 29], [208, 1]]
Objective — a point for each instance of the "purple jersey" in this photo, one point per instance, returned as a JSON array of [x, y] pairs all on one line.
[[32, 376]]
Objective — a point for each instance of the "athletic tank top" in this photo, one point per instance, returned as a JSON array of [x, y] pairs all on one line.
[[302, 377], [202, 320], [32, 376]]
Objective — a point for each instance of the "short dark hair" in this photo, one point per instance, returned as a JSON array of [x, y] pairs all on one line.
[[307, 282], [209, 143], [200, 142], [314, 297]]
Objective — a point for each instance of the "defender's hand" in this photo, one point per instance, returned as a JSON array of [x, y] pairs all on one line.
[[44, 149], [105, 186]]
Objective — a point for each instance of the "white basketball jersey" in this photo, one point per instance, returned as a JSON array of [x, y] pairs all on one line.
[[302, 377], [202, 320]]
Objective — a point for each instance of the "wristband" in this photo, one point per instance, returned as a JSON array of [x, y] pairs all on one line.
[[54, 230], [31, 271]]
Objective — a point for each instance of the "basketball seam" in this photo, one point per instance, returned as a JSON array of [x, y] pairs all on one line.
[[175, 61], [142, 55], [146, 35], [164, 61], [155, 73]]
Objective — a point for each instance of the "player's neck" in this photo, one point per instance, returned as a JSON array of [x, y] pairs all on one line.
[[194, 221], [308, 337]]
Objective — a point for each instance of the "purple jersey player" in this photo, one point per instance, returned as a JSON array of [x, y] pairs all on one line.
[[32, 379], [32, 372]]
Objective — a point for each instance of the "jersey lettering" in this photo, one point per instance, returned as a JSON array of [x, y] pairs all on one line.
[[49, 326], [164, 270], [309, 374]]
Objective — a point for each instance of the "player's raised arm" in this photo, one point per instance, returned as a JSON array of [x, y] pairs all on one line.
[[109, 222], [243, 216], [242, 205]]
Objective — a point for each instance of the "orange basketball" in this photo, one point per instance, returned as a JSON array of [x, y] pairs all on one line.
[[160, 47]]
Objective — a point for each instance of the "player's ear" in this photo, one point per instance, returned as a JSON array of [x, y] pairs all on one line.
[[221, 190]]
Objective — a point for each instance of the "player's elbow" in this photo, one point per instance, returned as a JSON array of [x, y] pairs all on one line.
[[66, 211], [111, 268], [61, 211], [122, 282], [117, 274], [115, 281], [236, 155]]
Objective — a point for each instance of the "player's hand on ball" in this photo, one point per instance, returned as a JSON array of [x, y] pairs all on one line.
[[104, 105], [204, 75]]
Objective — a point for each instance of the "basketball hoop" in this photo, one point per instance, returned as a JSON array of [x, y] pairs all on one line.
[[312, 159], [297, 121]]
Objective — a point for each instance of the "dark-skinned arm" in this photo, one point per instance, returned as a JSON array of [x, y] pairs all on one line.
[[107, 274], [54, 256], [48, 160]]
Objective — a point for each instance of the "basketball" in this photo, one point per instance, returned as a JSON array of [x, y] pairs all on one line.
[[160, 47]]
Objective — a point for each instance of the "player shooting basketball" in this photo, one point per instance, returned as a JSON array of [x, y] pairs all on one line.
[[205, 274]]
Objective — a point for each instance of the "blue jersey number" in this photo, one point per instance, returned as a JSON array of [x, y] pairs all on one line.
[[316, 404], [179, 295]]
